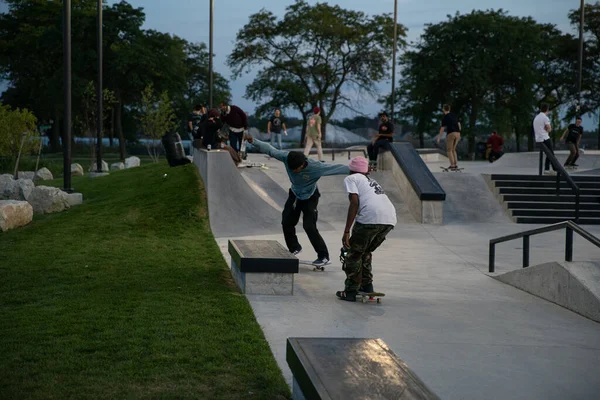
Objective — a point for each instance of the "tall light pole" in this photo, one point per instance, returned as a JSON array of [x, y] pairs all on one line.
[[394, 58], [67, 95], [210, 55], [99, 96], [579, 82]]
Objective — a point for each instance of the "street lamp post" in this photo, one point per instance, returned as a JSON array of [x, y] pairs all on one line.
[[394, 58], [99, 96], [67, 95], [210, 55]]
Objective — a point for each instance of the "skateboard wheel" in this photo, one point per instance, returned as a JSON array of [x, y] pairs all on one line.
[[364, 299], [378, 301]]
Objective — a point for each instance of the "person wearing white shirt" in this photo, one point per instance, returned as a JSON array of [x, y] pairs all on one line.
[[373, 216], [541, 130]]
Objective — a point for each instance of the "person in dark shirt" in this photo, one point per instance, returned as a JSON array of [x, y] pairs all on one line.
[[197, 116], [384, 135], [276, 123], [452, 127], [237, 122], [495, 143], [573, 133]]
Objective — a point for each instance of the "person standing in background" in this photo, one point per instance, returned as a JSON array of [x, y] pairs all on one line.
[[313, 134], [451, 125], [541, 129], [575, 132], [237, 123], [274, 127]]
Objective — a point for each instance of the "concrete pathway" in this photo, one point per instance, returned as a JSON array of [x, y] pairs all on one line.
[[465, 334]]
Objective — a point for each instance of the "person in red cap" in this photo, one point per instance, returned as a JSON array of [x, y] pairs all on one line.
[[371, 216], [313, 134]]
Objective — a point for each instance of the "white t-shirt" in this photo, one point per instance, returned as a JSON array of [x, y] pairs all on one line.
[[374, 207], [539, 123]]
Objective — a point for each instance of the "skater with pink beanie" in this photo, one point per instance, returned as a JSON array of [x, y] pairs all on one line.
[[371, 216]]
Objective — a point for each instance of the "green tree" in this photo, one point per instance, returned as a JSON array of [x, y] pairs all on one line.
[[17, 127], [156, 118], [591, 67], [491, 67], [326, 50]]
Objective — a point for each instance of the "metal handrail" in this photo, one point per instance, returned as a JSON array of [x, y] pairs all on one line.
[[570, 227], [561, 170]]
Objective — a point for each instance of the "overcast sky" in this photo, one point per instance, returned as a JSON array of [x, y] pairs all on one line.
[[190, 19]]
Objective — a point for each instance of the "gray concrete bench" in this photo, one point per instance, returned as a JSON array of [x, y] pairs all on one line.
[[332, 368], [262, 267]]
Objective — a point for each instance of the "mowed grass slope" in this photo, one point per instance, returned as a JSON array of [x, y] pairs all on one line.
[[128, 296]]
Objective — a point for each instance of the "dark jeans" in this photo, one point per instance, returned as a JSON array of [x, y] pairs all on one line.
[[291, 216], [235, 140], [364, 241], [373, 149], [574, 149], [548, 144], [495, 155]]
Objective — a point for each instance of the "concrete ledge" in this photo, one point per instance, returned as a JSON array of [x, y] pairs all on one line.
[[424, 211], [370, 370], [575, 285], [262, 267]]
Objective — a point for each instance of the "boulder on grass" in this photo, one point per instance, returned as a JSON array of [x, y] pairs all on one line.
[[26, 175], [132, 162], [14, 214], [17, 190], [76, 170], [94, 167], [117, 166], [4, 179], [46, 200], [43, 174]]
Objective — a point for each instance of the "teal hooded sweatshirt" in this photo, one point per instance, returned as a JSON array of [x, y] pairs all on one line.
[[304, 183]]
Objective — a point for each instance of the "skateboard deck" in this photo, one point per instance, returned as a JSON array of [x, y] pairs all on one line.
[[243, 149], [315, 268], [571, 168], [448, 169], [371, 296]]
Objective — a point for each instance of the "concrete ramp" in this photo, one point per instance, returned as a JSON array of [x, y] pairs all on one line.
[[234, 208], [469, 200], [573, 285]]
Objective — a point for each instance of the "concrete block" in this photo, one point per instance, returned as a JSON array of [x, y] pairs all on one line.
[[74, 199], [98, 174], [424, 212], [265, 283]]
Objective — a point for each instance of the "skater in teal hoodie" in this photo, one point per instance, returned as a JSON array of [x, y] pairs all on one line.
[[304, 174]]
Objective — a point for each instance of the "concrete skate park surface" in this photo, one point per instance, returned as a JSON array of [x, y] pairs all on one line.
[[466, 335]]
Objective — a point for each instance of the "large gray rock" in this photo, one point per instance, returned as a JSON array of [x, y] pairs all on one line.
[[4, 179], [14, 214], [94, 167], [75, 199], [43, 174], [117, 166], [26, 175], [17, 190], [76, 170], [46, 200], [132, 162]]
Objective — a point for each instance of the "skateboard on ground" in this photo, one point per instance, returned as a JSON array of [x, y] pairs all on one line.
[[448, 169], [315, 268], [254, 164], [371, 296], [570, 167]]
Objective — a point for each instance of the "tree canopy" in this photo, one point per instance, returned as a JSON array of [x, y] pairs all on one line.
[[315, 55]]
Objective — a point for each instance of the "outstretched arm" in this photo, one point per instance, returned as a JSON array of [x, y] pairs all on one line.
[[266, 148], [332, 169]]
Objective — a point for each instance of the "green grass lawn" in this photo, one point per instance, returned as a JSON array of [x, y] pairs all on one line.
[[128, 296]]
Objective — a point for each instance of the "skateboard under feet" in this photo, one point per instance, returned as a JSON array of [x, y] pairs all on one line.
[[320, 268], [448, 169], [371, 296]]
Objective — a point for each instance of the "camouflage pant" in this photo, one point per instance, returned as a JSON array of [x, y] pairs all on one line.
[[364, 241]]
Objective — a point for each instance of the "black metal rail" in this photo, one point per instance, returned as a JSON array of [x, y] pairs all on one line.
[[568, 225], [560, 170]]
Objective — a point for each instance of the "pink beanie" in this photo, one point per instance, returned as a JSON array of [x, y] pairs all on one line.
[[359, 164]]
